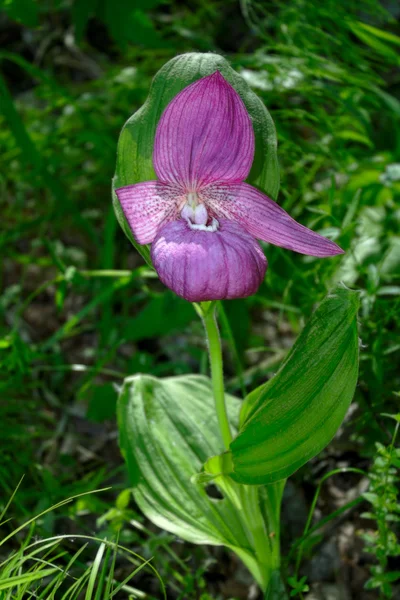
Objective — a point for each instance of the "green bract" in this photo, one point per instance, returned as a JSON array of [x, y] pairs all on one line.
[[287, 421], [136, 142]]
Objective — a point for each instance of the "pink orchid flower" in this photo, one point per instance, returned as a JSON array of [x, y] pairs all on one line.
[[200, 216]]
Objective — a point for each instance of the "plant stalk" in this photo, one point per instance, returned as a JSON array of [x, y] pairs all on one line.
[[217, 376], [258, 507]]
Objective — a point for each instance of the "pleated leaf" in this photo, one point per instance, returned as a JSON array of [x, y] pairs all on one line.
[[290, 419], [136, 142], [168, 428]]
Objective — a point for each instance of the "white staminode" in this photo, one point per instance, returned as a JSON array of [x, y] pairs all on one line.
[[196, 215]]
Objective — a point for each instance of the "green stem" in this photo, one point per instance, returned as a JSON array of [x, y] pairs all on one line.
[[259, 509], [217, 375], [260, 529], [260, 516]]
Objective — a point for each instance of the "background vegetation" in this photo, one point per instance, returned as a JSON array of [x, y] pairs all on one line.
[[79, 310]]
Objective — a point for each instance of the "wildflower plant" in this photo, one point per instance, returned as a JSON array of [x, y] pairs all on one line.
[[383, 497], [197, 178]]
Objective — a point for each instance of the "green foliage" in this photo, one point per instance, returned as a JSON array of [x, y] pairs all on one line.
[[383, 497], [23, 11], [162, 463], [125, 20], [168, 428], [290, 419], [49, 567], [299, 585]]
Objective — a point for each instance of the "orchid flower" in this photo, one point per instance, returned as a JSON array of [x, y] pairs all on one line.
[[202, 219]]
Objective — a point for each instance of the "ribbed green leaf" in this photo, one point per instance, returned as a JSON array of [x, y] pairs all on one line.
[[135, 146], [294, 416], [168, 428]]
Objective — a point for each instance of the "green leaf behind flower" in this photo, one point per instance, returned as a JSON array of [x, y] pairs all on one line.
[[136, 142]]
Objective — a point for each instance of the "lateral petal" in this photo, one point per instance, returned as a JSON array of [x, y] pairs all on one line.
[[265, 219], [204, 135], [148, 205]]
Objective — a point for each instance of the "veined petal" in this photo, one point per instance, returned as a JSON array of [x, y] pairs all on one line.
[[205, 135], [148, 205], [265, 219], [203, 265]]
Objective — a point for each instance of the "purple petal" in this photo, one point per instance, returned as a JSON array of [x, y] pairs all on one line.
[[265, 219], [149, 205], [204, 135], [208, 265]]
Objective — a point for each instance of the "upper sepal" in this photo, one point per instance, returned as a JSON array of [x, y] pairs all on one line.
[[204, 136]]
